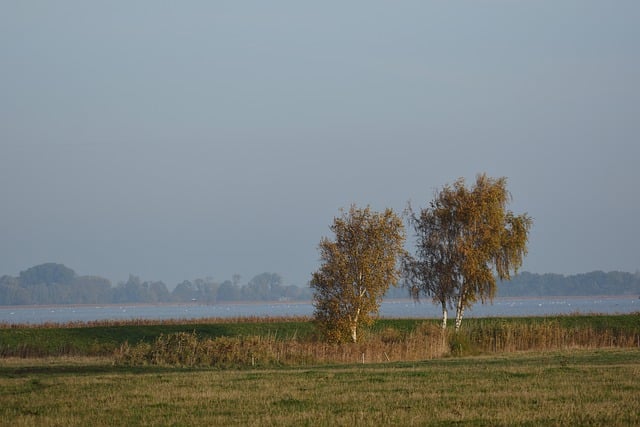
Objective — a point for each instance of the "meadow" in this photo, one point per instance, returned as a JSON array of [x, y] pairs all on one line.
[[562, 370], [572, 387]]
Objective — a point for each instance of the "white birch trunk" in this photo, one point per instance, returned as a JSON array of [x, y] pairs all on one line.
[[459, 313], [354, 327], [445, 316]]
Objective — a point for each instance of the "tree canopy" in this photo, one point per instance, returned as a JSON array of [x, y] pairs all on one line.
[[356, 270], [465, 239], [48, 274]]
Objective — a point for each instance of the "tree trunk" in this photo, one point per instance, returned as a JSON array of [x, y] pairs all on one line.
[[459, 312], [354, 327], [445, 315], [459, 318]]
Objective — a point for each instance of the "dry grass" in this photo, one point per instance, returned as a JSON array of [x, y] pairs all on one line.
[[502, 336], [187, 349], [290, 341], [427, 341]]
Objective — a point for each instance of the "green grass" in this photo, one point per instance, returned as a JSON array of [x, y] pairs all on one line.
[[578, 370], [103, 340], [576, 387], [488, 334]]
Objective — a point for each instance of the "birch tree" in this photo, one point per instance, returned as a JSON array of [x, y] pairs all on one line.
[[466, 239], [431, 271], [356, 270]]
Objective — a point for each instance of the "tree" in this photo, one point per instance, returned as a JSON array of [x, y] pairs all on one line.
[[228, 291], [465, 239], [12, 293], [207, 290], [134, 290], [264, 287], [357, 268], [184, 292], [158, 292], [90, 290], [49, 273]]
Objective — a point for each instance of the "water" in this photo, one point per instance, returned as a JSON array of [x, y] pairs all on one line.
[[391, 309]]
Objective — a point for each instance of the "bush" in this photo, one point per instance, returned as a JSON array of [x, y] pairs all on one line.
[[139, 354], [460, 345], [180, 349]]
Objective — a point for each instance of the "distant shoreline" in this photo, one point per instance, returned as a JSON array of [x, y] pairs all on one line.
[[225, 303]]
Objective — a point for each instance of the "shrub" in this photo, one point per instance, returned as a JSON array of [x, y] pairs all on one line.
[[460, 345], [140, 354], [180, 349]]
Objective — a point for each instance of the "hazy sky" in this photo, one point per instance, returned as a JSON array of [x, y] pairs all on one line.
[[176, 140]]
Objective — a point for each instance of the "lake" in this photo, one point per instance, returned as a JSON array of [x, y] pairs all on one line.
[[390, 309]]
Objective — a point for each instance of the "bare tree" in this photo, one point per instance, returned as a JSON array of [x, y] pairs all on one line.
[[357, 269], [465, 239]]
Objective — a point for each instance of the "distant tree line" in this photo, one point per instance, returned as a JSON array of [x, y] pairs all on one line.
[[595, 283], [527, 285], [57, 284]]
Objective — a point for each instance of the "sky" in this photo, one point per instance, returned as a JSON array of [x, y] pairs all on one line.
[[180, 140]]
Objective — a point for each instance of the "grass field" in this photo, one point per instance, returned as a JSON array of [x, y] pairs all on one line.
[[573, 387], [566, 370]]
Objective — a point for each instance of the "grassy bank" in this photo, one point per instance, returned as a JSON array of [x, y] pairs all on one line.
[[267, 342], [102, 338], [573, 387]]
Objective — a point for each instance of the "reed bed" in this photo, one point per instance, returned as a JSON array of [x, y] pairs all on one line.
[[427, 341], [187, 349], [490, 336], [273, 341]]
